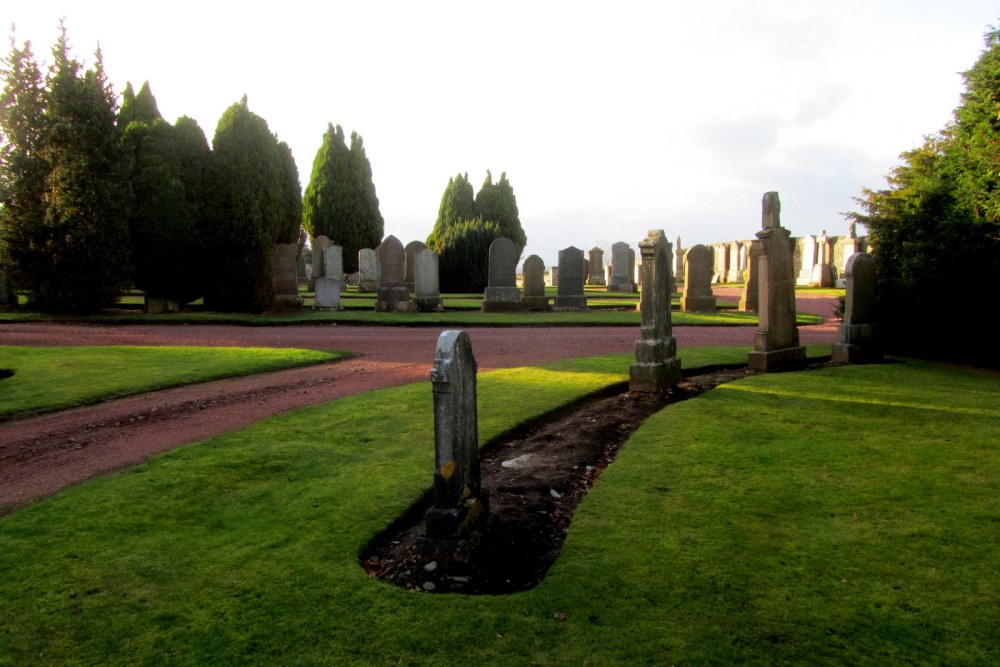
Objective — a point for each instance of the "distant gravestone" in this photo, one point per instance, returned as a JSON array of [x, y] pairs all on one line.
[[622, 268], [333, 263], [678, 260], [656, 366], [285, 276], [735, 275], [501, 293], [426, 281], [412, 248], [857, 338], [554, 276], [459, 503], [823, 269], [698, 296], [776, 344], [596, 271], [393, 295], [807, 261], [534, 284], [751, 293], [586, 270], [720, 253], [367, 270], [327, 293], [569, 294], [319, 246]]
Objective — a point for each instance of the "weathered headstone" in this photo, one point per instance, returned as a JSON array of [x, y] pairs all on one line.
[[393, 295], [807, 260], [534, 284], [735, 275], [333, 263], [412, 248], [284, 275], [367, 270], [823, 269], [554, 276], [327, 293], [751, 292], [776, 344], [596, 276], [459, 503], [586, 270], [857, 338], [569, 295], [720, 255], [319, 246], [678, 260], [656, 366], [426, 281], [622, 268], [501, 293], [698, 295]]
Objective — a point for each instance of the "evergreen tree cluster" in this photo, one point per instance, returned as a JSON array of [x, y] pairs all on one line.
[[935, 231], [467, 225], [94, 199]]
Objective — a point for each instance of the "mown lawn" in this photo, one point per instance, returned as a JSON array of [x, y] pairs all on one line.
[[843, 515]]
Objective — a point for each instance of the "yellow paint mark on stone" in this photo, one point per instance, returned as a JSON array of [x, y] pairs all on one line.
[[448, 469]]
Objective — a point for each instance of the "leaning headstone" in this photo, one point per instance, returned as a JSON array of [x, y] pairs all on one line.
[[412, 248], [285, 276], [327, 293], [319, 246], [698, 295], [426, 281], [367, 270], [569, 295], [501, 293], [656, 366], [333, 263], [857, 338], [459, 503], [622, 268], [393, 296], [596, 276], [534, 284], [776, 344]]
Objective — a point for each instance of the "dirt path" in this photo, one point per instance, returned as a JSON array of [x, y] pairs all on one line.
[[41, 455]]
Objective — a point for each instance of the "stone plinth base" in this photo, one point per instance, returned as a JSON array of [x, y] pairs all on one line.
[[367, 286], [489, 306], [428, 304], [155, 305], [600, 282], [535, 303], [782, 359], [455, 523], [620, 286], [856, 344], [393, 300], [502, 294], [287, 302], [698, 304], [656, 366], [570, 303]]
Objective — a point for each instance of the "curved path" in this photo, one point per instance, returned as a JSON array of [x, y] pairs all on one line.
[[40, 455]]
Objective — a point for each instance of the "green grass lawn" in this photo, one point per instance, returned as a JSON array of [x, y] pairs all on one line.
[[846, 515], [55, 378]]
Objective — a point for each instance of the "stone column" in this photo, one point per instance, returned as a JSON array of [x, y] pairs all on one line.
[[656, 366]]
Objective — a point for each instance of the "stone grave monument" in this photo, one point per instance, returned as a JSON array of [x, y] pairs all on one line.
[[460, 506], [412, 248], [656, 366], [569, 294], [596, 269], [393, 296], [285, 276], [698, 295], [622, 268], [501, 293], [750, 293], [533, 272], [319, 246], [368, 277], [426, 282], [857, 338], [776, 344], [330, 285]]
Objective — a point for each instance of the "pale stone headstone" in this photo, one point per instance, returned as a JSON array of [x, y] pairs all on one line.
[[622, 268], [327, 293], [501, 292], [412, 248], [283, 275], [393, 295], [367, 270], [534, 284], [426, 281], [333, 263], [735, 275], [554, 276], [596, 271], [857, 338], [807, 260], [720, 253], [776, 344], [678, 260], [569, 295], [823, 269], [656, 366], [698, 295], [319, 246], [459, 503]]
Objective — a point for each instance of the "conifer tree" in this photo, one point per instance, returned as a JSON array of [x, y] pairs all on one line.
[[138, 107], [496, 203], [291, 197], [458, 204]]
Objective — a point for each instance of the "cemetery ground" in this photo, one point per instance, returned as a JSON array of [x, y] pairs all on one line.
[[771, 519]]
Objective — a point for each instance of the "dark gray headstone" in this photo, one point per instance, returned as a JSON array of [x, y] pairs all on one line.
[[776, 344], [596, 276], [622, 268], [426, 281], [569, 294], [283, 264], [393, 295], [501, 292], [367, 270], [857, 338], [412, 248], [656, 366], [459, 503], [319, 246], [534, 284], [698, 295]]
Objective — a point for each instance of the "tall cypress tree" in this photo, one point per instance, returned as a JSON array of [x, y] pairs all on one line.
[[458, 204], [368, 224], [291, 197], [243, 212], [496, 203], [138, 107]]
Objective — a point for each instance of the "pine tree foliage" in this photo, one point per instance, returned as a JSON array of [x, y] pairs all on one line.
[[458, 203], [291, 197], [464, 261], [340, 201], [495, 202], [244, 212], [138, 107]]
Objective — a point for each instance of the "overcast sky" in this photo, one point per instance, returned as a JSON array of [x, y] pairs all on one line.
[[610, 118]]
